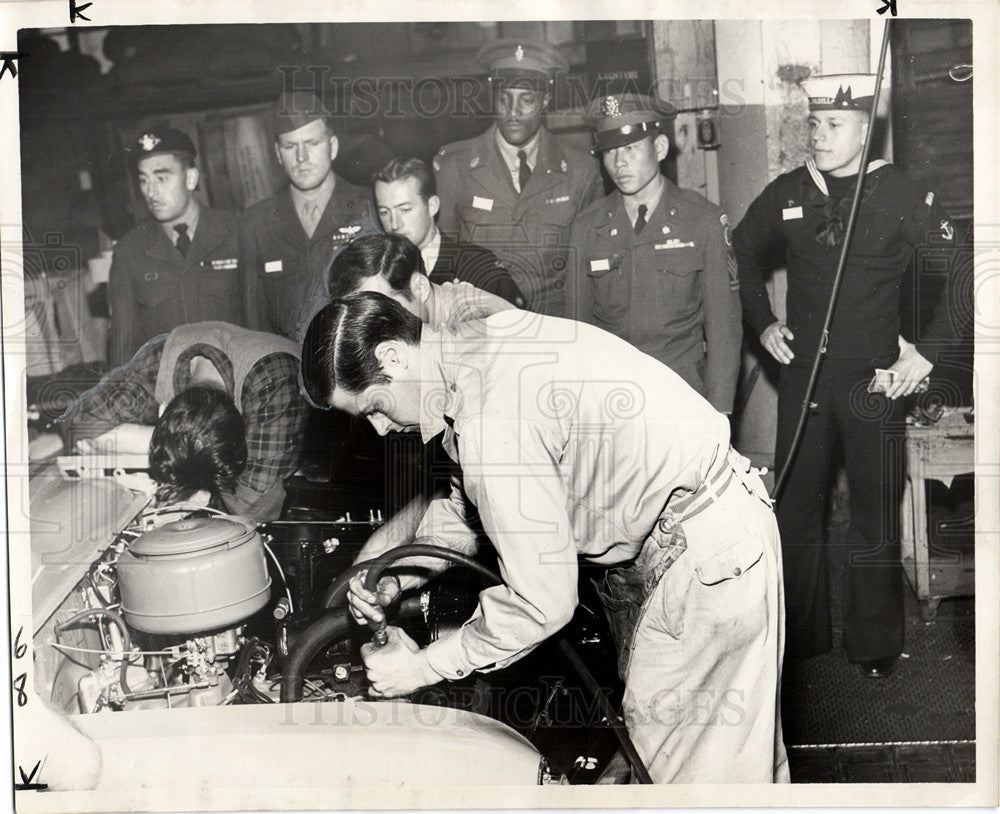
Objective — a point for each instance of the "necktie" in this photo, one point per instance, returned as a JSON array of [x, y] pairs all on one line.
[[312, 217], [523, 170], [183, 240], [640, 218]]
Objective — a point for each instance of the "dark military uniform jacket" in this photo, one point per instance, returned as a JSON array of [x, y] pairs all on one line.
[[284, 270], [152, 289], [529, 232], [795, 218], [469, 263], [672, 290]]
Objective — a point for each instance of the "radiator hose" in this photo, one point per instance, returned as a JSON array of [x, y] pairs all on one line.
[[338, 624]]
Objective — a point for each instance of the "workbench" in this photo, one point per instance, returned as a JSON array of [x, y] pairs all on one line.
[[938, 451]]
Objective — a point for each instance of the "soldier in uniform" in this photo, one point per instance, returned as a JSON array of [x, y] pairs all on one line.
[[179, 266], [289, 239], [655, 263], [515, 189], [803, 215]]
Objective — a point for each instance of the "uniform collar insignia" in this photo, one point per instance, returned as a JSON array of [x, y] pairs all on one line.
[[519, 53]]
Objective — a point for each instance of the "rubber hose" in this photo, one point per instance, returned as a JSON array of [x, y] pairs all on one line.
[[337, 592], [117, 620], [334, 625], [380, 563]]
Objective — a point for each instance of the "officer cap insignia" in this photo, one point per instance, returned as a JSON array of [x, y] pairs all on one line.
[[436, 163], [147, 141], [525, 64], [623, 118]]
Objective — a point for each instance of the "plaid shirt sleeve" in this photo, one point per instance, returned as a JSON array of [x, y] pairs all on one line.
[[275, 416], [126, 395]]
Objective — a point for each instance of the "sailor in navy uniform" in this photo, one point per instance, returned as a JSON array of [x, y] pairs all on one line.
[[803, 214]]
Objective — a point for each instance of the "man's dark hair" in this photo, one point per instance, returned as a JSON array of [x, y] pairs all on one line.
[[200, 442], [339, 346], [392, 256], [185, 158], [399, 169]]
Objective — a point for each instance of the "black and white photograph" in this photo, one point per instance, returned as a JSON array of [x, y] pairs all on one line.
[[437, 407]]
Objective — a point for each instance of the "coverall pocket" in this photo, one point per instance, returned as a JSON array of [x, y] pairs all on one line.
[[732, 563]]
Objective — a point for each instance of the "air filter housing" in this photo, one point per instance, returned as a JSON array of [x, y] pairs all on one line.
[[194, 575]]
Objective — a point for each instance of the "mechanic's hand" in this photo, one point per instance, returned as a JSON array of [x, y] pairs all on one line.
[[125, 439], [773, 339], [398, 667], [910, 369], [365, 606]]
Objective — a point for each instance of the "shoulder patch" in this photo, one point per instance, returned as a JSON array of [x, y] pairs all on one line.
[[727, 233]]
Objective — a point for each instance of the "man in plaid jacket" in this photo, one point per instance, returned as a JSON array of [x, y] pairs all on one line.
[[216, 406]]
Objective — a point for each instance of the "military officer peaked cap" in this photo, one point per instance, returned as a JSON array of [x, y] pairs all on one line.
[[623, 118], [160, 140], [844, 91], [521, 63], [295, 109]]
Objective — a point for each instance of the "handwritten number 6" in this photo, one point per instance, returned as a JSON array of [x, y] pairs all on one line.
[[19, 648]]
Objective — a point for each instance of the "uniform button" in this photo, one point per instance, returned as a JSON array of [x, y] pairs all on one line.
[[452, 387], [664, 526], [737, 571], [460, 673]]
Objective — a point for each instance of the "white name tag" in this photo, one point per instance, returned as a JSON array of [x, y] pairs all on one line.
[[272, 265], [791, 213], [600, 265], [224, 265], [482, 203], [560, 199]]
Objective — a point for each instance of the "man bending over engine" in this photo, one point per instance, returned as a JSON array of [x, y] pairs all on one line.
[[218, 409]]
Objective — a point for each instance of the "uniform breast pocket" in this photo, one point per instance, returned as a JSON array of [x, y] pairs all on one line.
[[675, 278], [278, 268], [157, 290], [612, 286], [486, 221], [222, 293]]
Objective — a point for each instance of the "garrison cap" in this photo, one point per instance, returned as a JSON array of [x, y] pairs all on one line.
[[159, 140], [622, 118], [843, 91], [295, 109], [521, 63]]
